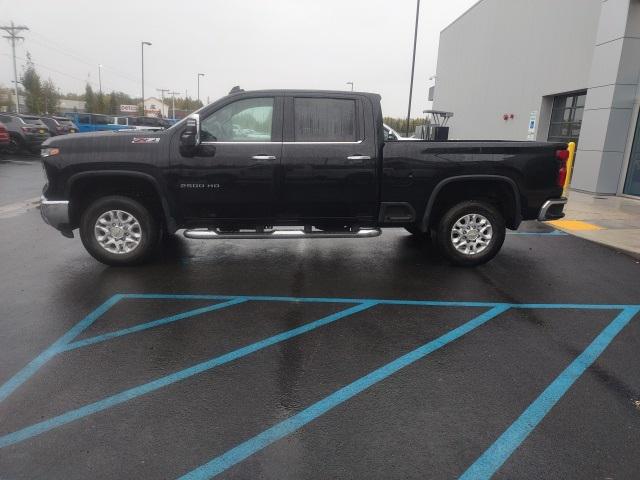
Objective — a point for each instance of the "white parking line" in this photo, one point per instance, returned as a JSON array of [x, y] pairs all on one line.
[[14, 209]]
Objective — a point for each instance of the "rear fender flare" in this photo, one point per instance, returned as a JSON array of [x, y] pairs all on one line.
[[462, 178]]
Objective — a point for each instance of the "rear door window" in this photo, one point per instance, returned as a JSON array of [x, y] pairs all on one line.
[[325, 120]]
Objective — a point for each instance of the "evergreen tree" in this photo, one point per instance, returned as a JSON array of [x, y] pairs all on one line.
[[101, 103], [89, 99], [50, 96], [114, 108], [32, 86]]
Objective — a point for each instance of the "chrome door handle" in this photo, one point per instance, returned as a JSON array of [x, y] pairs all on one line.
[[263, 157], [358, 157]]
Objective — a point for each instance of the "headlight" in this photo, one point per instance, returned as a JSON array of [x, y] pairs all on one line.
[[49, 152]]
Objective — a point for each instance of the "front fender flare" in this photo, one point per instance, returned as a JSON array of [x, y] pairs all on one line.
[[169, 217]]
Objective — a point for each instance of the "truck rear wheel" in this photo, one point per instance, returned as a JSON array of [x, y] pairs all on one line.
[[471, 233], [118, 230]]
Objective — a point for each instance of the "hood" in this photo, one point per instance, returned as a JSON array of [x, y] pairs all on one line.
[[106, 135]]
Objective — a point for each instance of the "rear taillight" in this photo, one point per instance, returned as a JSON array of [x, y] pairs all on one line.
[[562, 156]]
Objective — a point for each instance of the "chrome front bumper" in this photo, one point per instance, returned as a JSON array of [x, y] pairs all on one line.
[[55, 213], [552, 209]]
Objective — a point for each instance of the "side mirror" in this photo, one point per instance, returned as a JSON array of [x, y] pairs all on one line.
[[190, 136]]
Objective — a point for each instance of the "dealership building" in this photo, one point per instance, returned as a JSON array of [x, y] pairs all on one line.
[[557, 70]]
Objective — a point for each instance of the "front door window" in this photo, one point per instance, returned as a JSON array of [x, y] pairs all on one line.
[[248, 120]]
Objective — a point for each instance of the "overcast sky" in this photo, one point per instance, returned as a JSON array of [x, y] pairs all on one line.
[[252, 43]]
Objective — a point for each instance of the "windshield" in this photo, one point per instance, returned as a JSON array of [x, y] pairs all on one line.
[[33, 121]]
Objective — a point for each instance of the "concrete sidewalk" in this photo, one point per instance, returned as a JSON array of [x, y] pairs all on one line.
[[609, 220]]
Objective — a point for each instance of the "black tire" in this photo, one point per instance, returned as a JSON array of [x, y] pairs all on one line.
[[15, 146], [456, 213], [149, 230]]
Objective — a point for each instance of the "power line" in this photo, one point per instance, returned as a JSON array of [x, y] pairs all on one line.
[[54, 70], [13, 31], [72, 54]]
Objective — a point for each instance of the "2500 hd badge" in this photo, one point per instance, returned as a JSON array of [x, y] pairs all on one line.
[[199, 185]]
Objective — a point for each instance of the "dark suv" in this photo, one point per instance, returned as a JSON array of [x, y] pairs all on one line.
[[26, 132], [59, 125]]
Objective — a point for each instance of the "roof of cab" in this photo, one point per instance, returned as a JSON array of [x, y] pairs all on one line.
[[289, 92]]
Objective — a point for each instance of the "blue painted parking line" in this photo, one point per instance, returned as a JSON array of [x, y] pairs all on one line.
[[62, 344], [155, 323], [381, 301], [290, 425], [66, 342], [495, 456], [161, 382], [23, 375]]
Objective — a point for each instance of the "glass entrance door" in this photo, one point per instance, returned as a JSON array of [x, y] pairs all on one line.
[[632, 183]]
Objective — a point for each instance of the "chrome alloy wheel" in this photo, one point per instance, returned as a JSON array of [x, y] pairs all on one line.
[[118, 232], [471, 234]]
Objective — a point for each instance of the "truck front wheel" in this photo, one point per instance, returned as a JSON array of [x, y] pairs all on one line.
[[471, 233], [118, 230]]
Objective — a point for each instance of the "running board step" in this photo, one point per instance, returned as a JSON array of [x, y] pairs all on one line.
[[203, 234]]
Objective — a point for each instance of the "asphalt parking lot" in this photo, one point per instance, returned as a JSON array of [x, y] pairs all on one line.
[[314, 359]]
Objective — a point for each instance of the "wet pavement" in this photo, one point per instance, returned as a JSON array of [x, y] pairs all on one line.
[[368, 358]]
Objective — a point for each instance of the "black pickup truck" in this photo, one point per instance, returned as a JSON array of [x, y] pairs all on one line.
[[256, 164]]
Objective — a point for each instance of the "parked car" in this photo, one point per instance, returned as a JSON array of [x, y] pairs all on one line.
[[390, 134], [132, 123], [255, 161], [93, 122], [4, 136], [152, 122], [59, 125], [26, 132]]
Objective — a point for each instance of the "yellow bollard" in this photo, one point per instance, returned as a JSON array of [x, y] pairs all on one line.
[[571, 146]]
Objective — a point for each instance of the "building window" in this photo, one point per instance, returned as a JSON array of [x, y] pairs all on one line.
[[632, 182], [566, 117]]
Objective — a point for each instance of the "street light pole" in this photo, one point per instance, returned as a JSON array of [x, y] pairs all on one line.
[[100, 77], [142, 44], [413, 65], [162, 90], [199, 75], [173, 104], [350, 83]]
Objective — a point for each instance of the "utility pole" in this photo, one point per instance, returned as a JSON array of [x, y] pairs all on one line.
[[413, 65], [142, 44], [199, 75], [173, 103], [13, 31], [162, 90], [100, 77]]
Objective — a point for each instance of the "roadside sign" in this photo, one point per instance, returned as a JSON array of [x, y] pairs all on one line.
[[128, 108], [533, 120]]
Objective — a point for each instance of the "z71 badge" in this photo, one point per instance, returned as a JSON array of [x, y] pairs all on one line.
[[145, 140]]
